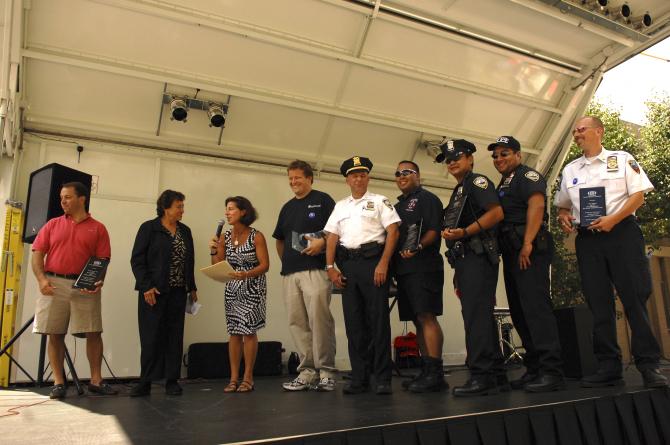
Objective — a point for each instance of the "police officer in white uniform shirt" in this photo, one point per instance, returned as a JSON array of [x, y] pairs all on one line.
[[610, 251], [362, 234]]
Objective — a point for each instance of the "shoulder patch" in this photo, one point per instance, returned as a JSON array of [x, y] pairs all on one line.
[[481, 182], [533, 176], [387, 203], [633, 164]]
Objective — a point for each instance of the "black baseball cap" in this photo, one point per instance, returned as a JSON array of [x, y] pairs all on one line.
[[507, 142]]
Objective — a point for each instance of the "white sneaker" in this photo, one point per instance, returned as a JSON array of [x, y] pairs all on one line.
[[325, 384], [297, 384]]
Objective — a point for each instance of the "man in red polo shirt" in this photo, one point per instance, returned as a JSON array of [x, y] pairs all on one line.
[[68, 242]]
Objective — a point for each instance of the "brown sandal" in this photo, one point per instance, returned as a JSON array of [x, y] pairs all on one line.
[[232, 386], [245, 386]]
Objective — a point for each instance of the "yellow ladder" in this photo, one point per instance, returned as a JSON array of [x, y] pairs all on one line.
[[10, 281]]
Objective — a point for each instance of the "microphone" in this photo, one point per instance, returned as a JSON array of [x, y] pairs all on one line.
[[219, 228]]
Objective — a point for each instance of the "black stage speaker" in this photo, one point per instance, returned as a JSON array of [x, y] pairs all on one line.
[[575, 329], [44, 196]]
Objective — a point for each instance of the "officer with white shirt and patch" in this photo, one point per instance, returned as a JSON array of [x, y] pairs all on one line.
[[362, 235], [599, 195]]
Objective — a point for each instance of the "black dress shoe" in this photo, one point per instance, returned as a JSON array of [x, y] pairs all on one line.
[[384, 389], [172, 388], [477, 386], [140, 389], [602, 379], [355, 388], [525, 379], [546, 383], [653, 378], [503, 383]]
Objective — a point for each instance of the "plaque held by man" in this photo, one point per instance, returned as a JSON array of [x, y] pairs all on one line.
[[93, 272], [591, 205], [452, 214], [412, 237]]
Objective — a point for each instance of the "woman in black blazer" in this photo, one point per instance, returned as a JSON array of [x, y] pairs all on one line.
[[163, 262]]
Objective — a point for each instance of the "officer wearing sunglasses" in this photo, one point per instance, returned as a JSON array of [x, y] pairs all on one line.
[[470, 233], [419, 272], [527, 249]]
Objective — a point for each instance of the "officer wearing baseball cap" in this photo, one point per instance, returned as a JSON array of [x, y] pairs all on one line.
[[527, 248], [469, 228], [362, 234]]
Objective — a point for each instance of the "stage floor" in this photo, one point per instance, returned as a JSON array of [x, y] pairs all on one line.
[[204, 414]]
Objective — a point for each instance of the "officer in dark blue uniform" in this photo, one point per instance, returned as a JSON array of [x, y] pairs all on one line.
[[527, 248], [470, 222]]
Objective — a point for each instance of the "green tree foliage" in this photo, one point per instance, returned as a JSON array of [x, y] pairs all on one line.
[[651, 147], [655, 159]]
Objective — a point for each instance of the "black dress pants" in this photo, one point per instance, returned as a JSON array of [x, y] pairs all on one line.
[[617, 258], [531, 310], [476, 279], [162, 335], [366, 320]]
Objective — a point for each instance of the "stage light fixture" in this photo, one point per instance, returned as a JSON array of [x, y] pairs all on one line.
[[178, 109], [623, 13], [600, 5], [641, 21], [216, 114]]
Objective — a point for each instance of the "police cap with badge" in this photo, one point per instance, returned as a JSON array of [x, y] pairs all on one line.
[[452, 150], [356, 164]]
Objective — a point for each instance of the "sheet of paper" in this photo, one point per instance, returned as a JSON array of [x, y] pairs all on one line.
[[191, 307], [220, 271]]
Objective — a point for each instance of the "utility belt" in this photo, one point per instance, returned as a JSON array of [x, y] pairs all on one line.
[[368, 250], [511, 237], [478, 245]]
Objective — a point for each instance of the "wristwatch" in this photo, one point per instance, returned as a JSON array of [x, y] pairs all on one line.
[[329, 266]]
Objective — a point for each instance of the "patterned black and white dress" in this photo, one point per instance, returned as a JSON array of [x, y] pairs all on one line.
[[244, 299]]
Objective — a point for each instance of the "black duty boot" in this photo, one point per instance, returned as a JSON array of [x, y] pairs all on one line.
[[546, 383], [503, 383], [432, 380], [405, 383], [481, 385], [525, 379]]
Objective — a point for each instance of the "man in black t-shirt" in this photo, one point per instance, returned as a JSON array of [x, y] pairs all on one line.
[[307, 290], [419, 272]]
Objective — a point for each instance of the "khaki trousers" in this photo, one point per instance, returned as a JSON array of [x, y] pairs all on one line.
[[307, 297]]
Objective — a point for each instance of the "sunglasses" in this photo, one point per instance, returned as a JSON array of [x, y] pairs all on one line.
[[580, 130], [502, 154], [454, 158], [404, 172]]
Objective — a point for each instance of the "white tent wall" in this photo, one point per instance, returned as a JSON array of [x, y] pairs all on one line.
[[129, 181]]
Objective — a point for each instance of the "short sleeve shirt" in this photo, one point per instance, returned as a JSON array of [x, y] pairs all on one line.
[[306, 215], [617, 171], [514, 191], [419, 207], [363, 220], [68, 245], [480, 192]]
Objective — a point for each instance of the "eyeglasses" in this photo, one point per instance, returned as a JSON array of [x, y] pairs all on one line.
[[580, 130], [404, 172], [503, 154]]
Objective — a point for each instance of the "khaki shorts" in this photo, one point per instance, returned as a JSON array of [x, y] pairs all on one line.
[[53, 313]]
